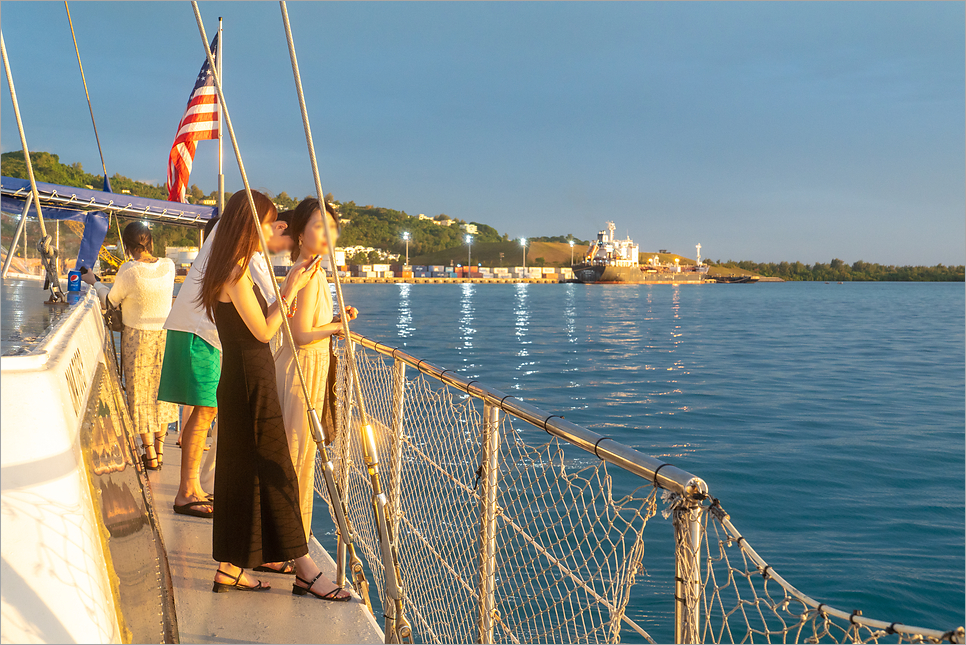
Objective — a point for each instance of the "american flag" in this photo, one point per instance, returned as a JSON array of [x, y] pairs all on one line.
[[200, 121]]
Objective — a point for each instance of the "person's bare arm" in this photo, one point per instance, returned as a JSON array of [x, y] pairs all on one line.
[[303, 330], [242, 295]]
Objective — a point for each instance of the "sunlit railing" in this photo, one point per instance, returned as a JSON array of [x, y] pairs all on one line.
[[505, 532]]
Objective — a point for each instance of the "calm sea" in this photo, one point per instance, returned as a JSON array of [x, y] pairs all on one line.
[[827, 418]]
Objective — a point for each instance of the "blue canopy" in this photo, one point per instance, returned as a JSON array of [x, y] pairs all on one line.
[[93, 206]]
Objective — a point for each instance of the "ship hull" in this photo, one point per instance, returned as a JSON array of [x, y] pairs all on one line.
[[607, 274]]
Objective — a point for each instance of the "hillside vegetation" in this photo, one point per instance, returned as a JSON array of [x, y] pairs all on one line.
[[382, 228], [488, 254], [839, 271]]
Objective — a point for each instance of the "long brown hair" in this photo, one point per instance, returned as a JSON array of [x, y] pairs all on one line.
[[235, 242], [300, 219]]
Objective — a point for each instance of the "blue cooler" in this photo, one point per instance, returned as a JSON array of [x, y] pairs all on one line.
[[73, 281]]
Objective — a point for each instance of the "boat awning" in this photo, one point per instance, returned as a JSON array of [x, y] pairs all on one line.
[[71, 203]]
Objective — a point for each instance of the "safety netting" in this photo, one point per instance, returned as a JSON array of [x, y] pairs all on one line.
[[564, 538]]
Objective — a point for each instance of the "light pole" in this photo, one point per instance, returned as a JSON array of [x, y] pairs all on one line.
[[406, 237], [571, 252], [469, 252], [523, 243]]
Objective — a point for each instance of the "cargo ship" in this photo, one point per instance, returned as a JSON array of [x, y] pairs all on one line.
[[613, 261]]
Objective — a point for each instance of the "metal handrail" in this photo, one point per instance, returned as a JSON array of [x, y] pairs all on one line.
[[115, 205], [661, 474]]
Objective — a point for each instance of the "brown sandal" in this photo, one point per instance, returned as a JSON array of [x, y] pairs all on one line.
[[222, 587]]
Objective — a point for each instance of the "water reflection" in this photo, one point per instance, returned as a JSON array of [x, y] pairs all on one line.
[[677, 331], [521, 314], [466, 329], [404, 323], [572, 353]]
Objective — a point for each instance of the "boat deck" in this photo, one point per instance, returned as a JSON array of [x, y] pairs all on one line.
[[26, 319], [274, 616]]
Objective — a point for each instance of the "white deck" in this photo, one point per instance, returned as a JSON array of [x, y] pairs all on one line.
[[274, 616]]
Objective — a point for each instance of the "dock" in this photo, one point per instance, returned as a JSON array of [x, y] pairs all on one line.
[[274, 616]]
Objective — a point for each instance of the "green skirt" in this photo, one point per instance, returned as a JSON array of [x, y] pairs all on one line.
[[190, 372]]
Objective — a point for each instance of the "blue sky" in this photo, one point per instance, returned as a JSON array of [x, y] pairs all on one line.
[[765, 131]]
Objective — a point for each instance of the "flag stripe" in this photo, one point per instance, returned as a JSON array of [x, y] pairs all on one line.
[[199, 122]]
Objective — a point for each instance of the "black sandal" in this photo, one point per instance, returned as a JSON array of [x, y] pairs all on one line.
[[159, 449], [222, 587], [189, 509], [331, 596], [150, 463], [288, 568]]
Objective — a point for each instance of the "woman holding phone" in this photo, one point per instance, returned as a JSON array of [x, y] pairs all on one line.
[[312, 325], [257, 518]]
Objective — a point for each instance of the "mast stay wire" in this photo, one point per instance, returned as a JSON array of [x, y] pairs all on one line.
[[316, 425], [47, 253], [398, 628], [107, 181]]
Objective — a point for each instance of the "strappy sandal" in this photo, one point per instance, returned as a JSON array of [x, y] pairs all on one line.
[[331, 596], [222, 587], [159, 449], [150, 463], [288, 568]]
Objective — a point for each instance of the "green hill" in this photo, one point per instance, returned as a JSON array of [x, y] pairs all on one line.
[[488, 254], [430, 243]]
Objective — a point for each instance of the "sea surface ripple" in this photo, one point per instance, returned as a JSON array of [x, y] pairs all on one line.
[[828, 419]]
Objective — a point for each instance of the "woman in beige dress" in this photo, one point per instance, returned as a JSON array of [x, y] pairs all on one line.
[[312, 324]]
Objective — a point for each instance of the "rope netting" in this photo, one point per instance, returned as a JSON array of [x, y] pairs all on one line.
[[568, 548], [742, 599]]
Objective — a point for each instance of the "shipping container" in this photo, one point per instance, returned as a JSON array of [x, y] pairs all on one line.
[[437, 268]]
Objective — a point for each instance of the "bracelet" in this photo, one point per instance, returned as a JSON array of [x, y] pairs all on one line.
[[293, 307], [284, 304]]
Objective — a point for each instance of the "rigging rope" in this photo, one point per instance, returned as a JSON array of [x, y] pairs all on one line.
[[317, 434], [318, 189], [248, 192], [107, 181], [56, 295], [397, 627]]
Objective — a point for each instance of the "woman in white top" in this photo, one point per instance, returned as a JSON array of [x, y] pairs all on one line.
[[143, 289], [312, 325]]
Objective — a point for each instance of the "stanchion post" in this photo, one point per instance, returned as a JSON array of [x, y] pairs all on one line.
[[17, 234], [687, 571], [488, 510], [395, 449]]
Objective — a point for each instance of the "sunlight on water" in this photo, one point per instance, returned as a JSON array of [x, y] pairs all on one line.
[[829, 419], [404, 326]]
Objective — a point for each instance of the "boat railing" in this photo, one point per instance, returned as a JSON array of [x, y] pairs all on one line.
[[512, 524]]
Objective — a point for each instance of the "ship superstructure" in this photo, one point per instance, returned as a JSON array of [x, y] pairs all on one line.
[[610, 260], [608, 250]]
